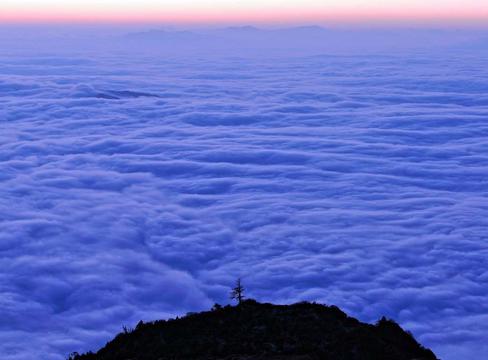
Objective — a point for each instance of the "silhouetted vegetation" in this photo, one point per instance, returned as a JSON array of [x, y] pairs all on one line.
[[252, 331], [237, 292]]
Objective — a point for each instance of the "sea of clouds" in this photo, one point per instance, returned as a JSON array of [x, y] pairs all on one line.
[[140, 185]]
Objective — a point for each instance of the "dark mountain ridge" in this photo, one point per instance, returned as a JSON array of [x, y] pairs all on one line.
[[252, 331]]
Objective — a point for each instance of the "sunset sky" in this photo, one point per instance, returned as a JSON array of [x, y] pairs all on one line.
[[201, 11]]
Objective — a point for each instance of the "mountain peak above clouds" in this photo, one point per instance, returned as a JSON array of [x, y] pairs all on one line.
[[252, 331]]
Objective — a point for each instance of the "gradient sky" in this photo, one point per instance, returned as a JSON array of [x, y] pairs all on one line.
[[236, 11]]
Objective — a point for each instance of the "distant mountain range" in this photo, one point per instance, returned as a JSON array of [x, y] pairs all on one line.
[[252, 331], [226, 33], [303, 39]]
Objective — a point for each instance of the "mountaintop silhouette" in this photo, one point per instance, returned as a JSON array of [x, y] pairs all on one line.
[[252, 331]]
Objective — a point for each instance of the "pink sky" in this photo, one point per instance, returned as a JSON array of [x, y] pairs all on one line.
[[228, 11]]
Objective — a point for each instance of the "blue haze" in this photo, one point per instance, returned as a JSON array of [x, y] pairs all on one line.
[[142, 173]]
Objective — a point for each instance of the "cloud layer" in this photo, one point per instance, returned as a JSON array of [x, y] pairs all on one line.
[[141, 187]]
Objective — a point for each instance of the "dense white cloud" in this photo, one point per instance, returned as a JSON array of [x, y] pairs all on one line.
[[139, 187]]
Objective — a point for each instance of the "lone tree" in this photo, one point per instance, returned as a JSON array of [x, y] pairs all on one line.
[[237, 292]]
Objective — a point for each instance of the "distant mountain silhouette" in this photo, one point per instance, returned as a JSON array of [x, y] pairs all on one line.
[[294, 29], [185, 35], [165, 36], [245, 28], [316, 40], [252, 331]]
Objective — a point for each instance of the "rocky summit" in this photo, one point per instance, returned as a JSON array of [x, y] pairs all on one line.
[[252, 331]]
